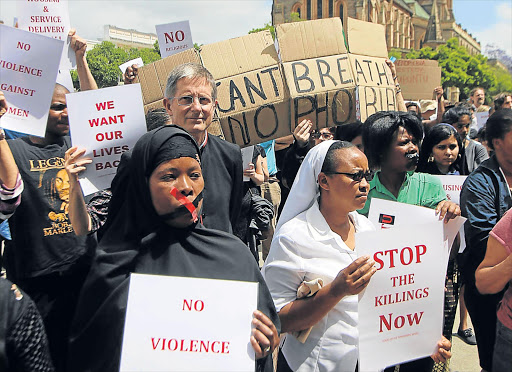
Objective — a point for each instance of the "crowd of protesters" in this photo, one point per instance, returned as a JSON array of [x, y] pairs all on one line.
[[179, 205]]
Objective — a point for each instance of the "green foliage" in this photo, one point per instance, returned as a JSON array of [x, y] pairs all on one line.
[[459, 68], [395, 53], [294, 17], [267, 26], [503, 81], [105, 58]]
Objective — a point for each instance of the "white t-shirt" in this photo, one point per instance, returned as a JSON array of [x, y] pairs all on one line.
[[304, 249]]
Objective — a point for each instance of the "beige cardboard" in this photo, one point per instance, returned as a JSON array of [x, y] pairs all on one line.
[[418, 78], [251, 93], [375, 85], [153, 77], [366, 38], [310, 39]]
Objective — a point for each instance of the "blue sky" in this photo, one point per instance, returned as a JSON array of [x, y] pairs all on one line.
[[215, 20]]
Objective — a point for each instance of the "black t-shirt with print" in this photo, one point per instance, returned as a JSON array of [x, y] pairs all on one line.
[[43, 240]]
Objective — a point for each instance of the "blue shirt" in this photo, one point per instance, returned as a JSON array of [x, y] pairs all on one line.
[[271, 156]]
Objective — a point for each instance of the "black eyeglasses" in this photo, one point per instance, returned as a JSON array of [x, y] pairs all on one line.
[[325, 136], [358, 176]]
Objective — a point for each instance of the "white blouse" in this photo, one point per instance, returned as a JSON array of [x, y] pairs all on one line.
[[304, 249]]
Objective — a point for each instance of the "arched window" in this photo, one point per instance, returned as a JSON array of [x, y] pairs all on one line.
[[308, 9], [331, 8], [296, 8]]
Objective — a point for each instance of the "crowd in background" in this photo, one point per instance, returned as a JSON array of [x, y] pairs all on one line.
[[179, 206]]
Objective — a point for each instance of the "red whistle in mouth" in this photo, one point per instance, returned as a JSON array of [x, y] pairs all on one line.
[[185, 202]]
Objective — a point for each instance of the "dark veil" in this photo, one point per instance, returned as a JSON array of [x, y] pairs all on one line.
[[136, 240]]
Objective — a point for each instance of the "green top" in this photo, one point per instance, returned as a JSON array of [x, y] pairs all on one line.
[[418, 189]]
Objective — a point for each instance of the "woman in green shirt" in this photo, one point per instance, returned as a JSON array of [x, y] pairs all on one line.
[[391, 141]]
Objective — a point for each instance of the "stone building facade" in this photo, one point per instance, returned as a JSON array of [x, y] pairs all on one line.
[[410, 24]]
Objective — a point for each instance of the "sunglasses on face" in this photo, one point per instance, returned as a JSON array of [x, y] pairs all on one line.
[[325, 136], [358, 176]]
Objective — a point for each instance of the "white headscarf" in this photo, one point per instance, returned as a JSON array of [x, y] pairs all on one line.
[[305, 189]]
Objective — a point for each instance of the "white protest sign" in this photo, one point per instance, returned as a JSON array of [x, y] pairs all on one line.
[[401, 309], [106, 122], [49, 18], [28, 70], [195, 327], [481, 118], [174, 38], [385, 214], [452, 186], [136, 61], [246, 159]]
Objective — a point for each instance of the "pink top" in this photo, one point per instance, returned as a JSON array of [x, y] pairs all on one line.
[[502, 232]]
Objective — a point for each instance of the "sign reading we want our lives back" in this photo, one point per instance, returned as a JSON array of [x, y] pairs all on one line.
[[29, 65]]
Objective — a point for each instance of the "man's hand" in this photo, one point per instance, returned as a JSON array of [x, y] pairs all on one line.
[[3, 104], [438, 93], [302, 132], [78, 44], [130, 74]]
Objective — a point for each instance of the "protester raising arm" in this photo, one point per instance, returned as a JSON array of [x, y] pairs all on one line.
[[85, 77], [78, 215], [11, 184], [400, 103]]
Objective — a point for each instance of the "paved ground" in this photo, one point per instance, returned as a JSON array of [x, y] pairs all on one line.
[[464, 356]]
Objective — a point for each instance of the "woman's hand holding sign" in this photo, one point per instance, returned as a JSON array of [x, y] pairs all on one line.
[[354, 278], [264, 338]]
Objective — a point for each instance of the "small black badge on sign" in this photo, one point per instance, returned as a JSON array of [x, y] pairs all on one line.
[[387, 219]]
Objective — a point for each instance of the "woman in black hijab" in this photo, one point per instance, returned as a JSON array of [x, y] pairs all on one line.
[[153, 228]]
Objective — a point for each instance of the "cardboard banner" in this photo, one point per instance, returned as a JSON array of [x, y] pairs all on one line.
[[263, 95], [174, 38], [401, 309], [29, 65], [418, 78], [50, 19], [191, 329], [252, 95], [107, 122]]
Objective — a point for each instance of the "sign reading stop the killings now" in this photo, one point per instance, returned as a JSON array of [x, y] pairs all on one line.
[[190, 328], [401, 309], [28, 69], [107, 122]]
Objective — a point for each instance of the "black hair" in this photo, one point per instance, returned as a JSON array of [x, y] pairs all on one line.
[[347, 132], [437, 134], [330, 163], [498, 125], [499, 100], [379, 132], [156, 118], [453, 115]]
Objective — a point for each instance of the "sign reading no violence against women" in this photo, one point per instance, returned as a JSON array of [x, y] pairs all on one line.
[[28, 69], [107, 122]]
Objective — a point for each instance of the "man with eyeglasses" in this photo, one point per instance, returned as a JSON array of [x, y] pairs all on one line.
[[190, 100], [45, 257]]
